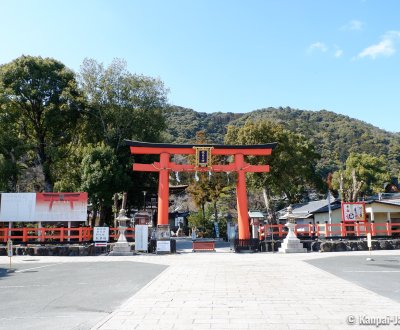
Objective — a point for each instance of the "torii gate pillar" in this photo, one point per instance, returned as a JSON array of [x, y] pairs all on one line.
[[163, 190], [241, 197]]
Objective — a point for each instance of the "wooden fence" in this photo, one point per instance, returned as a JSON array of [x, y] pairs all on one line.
[[85, 234], [53, 234], [339, 230]]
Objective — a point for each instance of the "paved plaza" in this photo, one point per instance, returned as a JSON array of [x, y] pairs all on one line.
[[225, 290]]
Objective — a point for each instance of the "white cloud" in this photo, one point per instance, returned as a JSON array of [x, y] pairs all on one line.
[[386, 47], [353, 25], [338, 53], [319, 46]]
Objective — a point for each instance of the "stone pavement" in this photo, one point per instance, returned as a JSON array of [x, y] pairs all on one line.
[[225, 290], [247, 291]]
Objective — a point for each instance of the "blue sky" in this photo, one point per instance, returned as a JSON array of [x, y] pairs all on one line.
[[229, 55]]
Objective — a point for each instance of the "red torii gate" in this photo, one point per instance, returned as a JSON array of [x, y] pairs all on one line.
[[165, 165]]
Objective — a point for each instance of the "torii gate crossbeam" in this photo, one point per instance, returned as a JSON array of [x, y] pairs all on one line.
[[238, 165]]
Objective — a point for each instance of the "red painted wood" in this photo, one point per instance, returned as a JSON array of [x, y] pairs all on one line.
[[155, 167], [203, 246], [144, 167], [163, 190], [191, 151], [241, 195]]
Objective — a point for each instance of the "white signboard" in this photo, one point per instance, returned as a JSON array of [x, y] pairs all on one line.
[[51, 207], [101, 234], [141, 237], [163, 246], [61, 207], [18, 207]]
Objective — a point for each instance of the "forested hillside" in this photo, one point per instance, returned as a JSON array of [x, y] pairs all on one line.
[[183, 124], [334, 136]]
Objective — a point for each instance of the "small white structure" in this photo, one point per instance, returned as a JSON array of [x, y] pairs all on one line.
[[121, 248], [256, 219], [291, 244]]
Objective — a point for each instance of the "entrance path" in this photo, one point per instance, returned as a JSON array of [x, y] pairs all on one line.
[[224, 290]]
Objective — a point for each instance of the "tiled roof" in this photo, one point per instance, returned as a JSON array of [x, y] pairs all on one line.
[[306, 210]]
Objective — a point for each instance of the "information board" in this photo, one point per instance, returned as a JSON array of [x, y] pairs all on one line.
[[163, 232], [141, 237], [46, 207], [164, 246], [354, 211], [101, 234]]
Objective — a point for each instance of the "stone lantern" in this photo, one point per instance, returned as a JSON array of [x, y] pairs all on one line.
[[121, 247], [291, 244]]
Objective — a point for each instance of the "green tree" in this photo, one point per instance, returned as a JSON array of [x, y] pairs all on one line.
[[292, 163], [42, 96], [102, 177], [363, 175], [199, 191], [12, 151], [122, 105]]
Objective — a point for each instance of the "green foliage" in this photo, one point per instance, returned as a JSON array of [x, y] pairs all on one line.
[[183, 124], [205, 226], [41, 98], [364, 175], [102, 176], [292, 163], [334, 136], [122, 105]]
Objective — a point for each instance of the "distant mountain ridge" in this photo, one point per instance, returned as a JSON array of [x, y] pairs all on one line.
[[333, 135]]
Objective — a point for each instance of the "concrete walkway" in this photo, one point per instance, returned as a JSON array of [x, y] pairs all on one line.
[[225, 290], [247, 291]]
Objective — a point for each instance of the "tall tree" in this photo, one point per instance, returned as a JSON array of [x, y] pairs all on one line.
[[41, 94], [101, 177], [363, 175], [122, 105], [292, 163]]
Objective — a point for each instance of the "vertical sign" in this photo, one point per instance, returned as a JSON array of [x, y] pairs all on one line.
[[10, 250], [216, 228], [203, 156], [141, 237]]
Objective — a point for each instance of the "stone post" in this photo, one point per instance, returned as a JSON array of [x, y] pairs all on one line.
[[291, 244]]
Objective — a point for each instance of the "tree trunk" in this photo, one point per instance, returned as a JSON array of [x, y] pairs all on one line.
[[342, 196], [105, 215], [215, 211], [93, 219], [356, 185], [266, 200], [115, 209], [45, 162], [203, 213]]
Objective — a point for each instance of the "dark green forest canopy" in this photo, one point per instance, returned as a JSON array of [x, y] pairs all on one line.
[[334, 136]]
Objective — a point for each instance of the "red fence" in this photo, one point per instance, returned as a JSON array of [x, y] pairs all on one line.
[[48, 235], [343, 230]]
